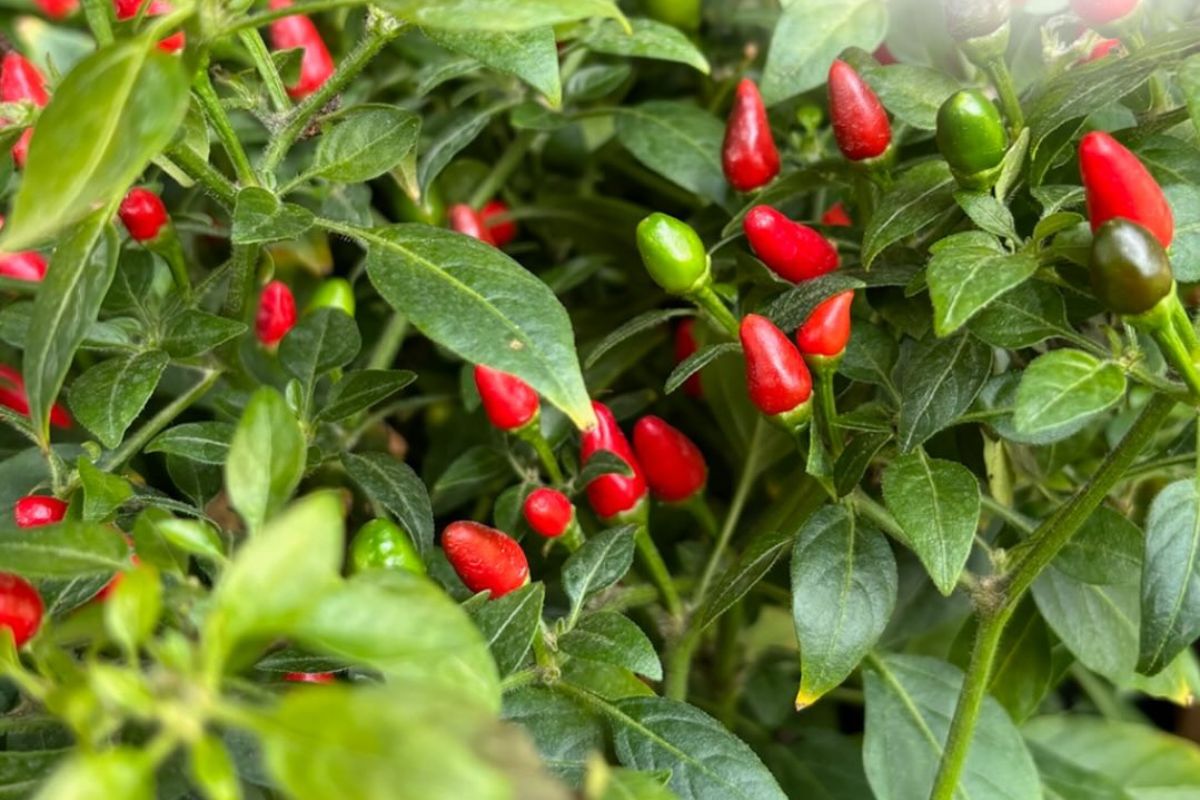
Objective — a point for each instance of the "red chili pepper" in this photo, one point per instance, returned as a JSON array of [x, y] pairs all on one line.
[[143, 214], [884, 55], [12, 395], [1097, 13], [484, 558], [1102, 49], [674, 466], [776, 376], [310, 677], [509, 402], [549, 512], [276, 313], [37, 510], [128, 9], [467, 220], [21, 607], [21, 81], [298, 31], [502, 232], [792, 251], [1119, 186], [24, 266], [836, 216], [685, 346], [860, 124], [749, 156], [612, 494], [58, 9], [827, 330]]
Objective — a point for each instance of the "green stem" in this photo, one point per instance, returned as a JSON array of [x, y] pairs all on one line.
[[660, 576], [706, 299], [532, 434], [1177, 355], [134, 444], [253, 42], [740, 494], [203, 172], [679, 667], [503, 168], [1008, 515], [697, 506], [96, 12], [872, 510], [241, 281], [387, 344], [827, 409], [997, 70], [203, 88], [517, 680], [241, 23]]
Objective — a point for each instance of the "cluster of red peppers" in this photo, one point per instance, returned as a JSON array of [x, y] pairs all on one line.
[[491, 224]]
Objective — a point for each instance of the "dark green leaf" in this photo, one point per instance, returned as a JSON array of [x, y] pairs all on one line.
[[938, 382], [917, 200], [1170, 577], [649, 39], [359, 391], [698, 361], [192, 333], [678, 141], [108, 397], [530, 55], [64, 550], [499, 15], [260, 217], [366, 142], [610, 637], [323, 340], [1025, 316], [602, 561], [509, 624], [393, 485], [635, 326], [204, 442]]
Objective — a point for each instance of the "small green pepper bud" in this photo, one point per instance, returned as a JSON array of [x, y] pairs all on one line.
[[381, 544], [673, 254], [1130, 271], [334, 293], [972, 138]]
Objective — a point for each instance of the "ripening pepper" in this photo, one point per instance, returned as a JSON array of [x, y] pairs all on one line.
[[1102, 13], [310, 677], [430, 209], [683, 14], [298, 31], [748, 156], [334, 293], [860, 123], [484, 558], [972, 138], [836, 217], [509, 402], [467, 220], [548, 512], [776, 376], [685, 346], [493, 214], [673, 253], [128, 9], [824, 335], [1119, 185], [21, 608], [674, 466], [143, 214], [612, 495], [21, 81], [58, 9], [1101, 49], [1129, 269], [381, 544], [276, 313], [37, 510], [792, 251], [13, 395], [28, 265]]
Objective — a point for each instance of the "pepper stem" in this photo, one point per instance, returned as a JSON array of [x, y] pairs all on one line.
[[997, 70], [706, 299], [531, 434], [660, 576], [824, 370]]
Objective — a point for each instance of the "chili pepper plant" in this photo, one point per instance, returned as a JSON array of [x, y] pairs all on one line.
[[598, 399]]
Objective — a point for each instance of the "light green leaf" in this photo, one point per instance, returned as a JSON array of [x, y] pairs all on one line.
[[1097, 622], [678, 141], [366, 142], [123, 772], [498, 15], [964, 279], [1170, 577], [1064, 387], [266, 458], [530, 55], [108, 397], [649, 39], [914, 94], [260, 217]]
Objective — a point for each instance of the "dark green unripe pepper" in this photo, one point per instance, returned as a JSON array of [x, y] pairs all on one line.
[[381, 544], [673, 253], [972, 138], [1130, 271], [334, 293]]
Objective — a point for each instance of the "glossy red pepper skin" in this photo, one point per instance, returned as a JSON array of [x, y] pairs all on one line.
[[128, 9], [1102, 49], [58, 9], [1098, 13], [674, 466], [836, 217], [24, 266], [298, 31], [1119, 186], [484, 558], [776, 375], [685, 346], [503, 231], [467, 220], [548, 512], [860, 123], [827, 330], [884, 55], [509, 402], [276, 313], [792, 251], [611, 495], [749, 156], [12, 395], [37, 510], [20, 80], [21, 607], [310, 677], [143, 214]]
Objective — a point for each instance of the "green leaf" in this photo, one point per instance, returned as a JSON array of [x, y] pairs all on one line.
[[266, 458], [439, 279], [566, 733], [918, 199], [705, 760], [123, 772], [792, 309], [1097, 622], [988, 214], [1189, 80], [108, 397], [639, 324], [914, 94], [509, 624], [393, 485], [628, 784], [360, 390], [64, 550], [938, 381], [67, 303], [1185, 247], [1065, 387], [204, 442], [609, 637], [810, 35], [192, 536], [1107, 548], [530, 55], [843, 592], [132, 610], [260, 217], [649, 39], [678, 141], [936, 503], [698, 361], [964, 280], [323, 340], [910, 701], [1170, 577], [458, 131], [1022, 317], [498, 15], [366, 142], [603, 462], [192, 332], [602, 561], [102, 493], [117, 109]]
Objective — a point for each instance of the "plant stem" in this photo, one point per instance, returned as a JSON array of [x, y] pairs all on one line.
[[660, 576], [133, 445], [532, 435], [997, 70], [299, 9], [740, 495], [698, 508], [203, 172], [253, 42], [501, 171], [203, 88], [241, 281], [827, 410], [679, 667], [96, 13], [517, 680], [387, 344], [1008, 515], [707, 300]]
